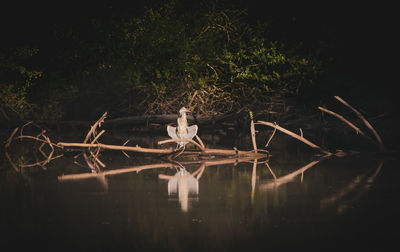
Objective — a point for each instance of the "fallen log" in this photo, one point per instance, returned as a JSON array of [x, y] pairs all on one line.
[[117, 147]]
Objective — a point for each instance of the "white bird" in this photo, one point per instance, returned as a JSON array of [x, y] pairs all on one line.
[[182, 131]]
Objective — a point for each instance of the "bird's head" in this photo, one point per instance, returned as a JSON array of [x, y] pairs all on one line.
[[183, 110]]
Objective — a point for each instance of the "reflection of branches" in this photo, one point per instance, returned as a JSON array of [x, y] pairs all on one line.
[[93, 160], [253, 179], [203, 163], [361, 182], [114, 172], [199, 171], [287, 178], [42, 138]]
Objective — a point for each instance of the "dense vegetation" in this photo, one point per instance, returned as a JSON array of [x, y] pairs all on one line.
[[210, 58]]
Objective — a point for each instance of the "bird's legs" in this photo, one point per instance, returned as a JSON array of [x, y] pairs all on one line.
[[179, 153]]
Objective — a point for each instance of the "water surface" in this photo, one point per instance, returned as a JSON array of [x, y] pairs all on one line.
[[305, 203]]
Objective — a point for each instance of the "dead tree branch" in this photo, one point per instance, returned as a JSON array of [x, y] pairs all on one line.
[[343, 119], [42, 138], [276, 126], [253, 135], [369, 126]]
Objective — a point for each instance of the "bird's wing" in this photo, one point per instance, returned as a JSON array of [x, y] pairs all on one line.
[[192, 131], [172, 132]]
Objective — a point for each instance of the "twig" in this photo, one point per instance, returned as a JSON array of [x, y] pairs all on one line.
[[126, 154], [272, 172], [94, 127], [9, 140], [191, 100], [40, 163], [92, 166], [294, 135], [23, 126], [11, 162], [378, 138], [98, 161], [270, 138], [98, 135]]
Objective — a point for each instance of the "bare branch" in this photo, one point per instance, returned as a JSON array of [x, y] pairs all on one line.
[[294, 135], [253, 136], [343, 119], [98, 135], [9, 140], [378, 138], [270, 138]]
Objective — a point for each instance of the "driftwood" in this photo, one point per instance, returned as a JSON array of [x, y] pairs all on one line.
[[369, 126], [92, 148], [253, 133], [343, 119], [338, 152], [40, 138], [200, 145], [358, 130], [294, 135]]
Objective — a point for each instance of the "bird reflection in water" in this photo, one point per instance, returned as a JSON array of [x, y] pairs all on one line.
[[184, 185]]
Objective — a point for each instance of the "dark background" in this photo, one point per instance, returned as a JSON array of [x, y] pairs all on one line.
[[361, 36]]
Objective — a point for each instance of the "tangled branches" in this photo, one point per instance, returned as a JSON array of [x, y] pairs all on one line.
[[40, 138]]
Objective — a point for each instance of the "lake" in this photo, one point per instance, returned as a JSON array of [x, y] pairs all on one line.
[[296, 200]]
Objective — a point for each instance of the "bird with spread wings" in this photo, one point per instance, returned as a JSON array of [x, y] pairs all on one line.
[[182, 131]]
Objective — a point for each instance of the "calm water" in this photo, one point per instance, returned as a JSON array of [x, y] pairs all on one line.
[[336, 203]]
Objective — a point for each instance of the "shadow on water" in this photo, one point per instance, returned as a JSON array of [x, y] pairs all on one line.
[[196, 204]]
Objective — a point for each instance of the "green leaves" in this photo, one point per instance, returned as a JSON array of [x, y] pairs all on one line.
[[175, 53], [16, 80]]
